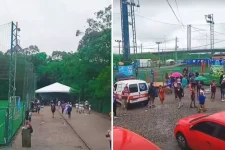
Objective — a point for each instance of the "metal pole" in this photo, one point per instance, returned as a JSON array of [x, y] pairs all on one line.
[[176, 49], [118, 41]]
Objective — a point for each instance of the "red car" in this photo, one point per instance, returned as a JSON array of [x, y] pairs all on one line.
[[124, 139], [201, 132]]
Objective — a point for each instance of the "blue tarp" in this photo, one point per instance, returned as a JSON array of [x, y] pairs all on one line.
[[196, 61], [126, 70]]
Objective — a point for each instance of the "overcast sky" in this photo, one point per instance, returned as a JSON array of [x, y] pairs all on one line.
[[49, 24], [190, 12]]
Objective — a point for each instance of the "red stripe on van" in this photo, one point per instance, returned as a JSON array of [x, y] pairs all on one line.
[[138, 96]]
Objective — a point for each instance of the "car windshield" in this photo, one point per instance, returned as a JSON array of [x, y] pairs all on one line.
[[196, 119]]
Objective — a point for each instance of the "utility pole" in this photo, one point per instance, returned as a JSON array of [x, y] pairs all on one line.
[[141, 48], [176, 49], [188, 37], [209, 19], [118, 41], [158, 49]]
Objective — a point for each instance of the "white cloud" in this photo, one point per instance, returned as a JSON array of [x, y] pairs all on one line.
[[49, 24], [191, 12]]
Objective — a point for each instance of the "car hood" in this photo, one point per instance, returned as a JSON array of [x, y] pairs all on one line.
[[186, 120], [124, 139]]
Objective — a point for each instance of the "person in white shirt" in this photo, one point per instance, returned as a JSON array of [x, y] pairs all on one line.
[[59, 104]]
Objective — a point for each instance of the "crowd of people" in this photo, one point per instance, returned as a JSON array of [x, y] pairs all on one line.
[[176, 85]]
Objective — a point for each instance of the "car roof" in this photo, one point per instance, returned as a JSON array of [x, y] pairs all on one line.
[[219, 116], [131, 81], [124, 139]]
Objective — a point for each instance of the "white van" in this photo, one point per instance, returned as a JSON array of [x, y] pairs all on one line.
[[138, 91]]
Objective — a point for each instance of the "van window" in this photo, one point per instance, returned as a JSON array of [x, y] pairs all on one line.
[[119, 88], [133, 88], [143, 87], [115, 86]]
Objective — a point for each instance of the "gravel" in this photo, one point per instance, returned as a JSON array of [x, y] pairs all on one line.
[[157, 124]]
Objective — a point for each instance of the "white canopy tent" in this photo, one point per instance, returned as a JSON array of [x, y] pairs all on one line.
[[54, 88]]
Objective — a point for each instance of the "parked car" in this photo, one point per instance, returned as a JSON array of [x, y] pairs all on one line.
[[124, 139], [201, 132]]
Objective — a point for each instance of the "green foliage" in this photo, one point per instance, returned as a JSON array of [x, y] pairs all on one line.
[[88, 71]]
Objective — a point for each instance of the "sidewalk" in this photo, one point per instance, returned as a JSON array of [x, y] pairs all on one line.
[[92, 128], [50, 134]]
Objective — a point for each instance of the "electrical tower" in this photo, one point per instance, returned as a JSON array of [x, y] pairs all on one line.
[[209, 19], [12, 79], [125, 26], [132, 15]]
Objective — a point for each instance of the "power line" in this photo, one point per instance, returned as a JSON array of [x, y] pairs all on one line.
[[178, 11], [219, 32], [174, 12], [208, 44], [152, 19], [206, 30]]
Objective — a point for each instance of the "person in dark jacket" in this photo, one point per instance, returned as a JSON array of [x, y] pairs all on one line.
[[152, 95], [114, 105]]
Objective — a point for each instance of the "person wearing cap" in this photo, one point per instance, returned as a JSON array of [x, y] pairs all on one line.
[[125, 97], [201, 99]]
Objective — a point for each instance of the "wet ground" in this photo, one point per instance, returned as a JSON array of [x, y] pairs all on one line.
[[80, 132], [157, 124]]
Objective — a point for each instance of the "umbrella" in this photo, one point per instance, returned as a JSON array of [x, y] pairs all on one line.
[[200, 78], [176, 74]]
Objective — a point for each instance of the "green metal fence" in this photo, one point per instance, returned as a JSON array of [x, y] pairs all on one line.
[[18, 83]]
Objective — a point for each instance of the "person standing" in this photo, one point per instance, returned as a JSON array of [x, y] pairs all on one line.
[[223, 90], [201, 99], [192, 98], [175, 89], [180, 95], [213, 89], [59, 104], [199, 86], [69, 110], [114, 106], [161, 94], [152, 95], [63, 105], [125, 97], [136, 72], [53, 109]]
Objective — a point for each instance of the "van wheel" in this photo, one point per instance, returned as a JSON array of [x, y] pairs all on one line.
[[182, 142]]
